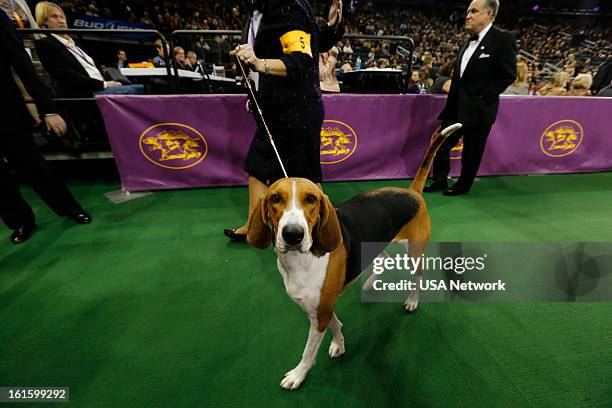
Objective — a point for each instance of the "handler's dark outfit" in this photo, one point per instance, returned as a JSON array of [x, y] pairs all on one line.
[[291, 106], [17, 145]]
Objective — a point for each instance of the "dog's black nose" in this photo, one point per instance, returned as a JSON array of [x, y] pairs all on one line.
[[293, 234]]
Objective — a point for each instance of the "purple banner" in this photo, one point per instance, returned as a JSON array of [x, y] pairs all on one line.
[[183, 141]]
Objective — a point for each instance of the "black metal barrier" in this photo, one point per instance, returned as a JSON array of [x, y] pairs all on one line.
[[180, 81], [213, 83]]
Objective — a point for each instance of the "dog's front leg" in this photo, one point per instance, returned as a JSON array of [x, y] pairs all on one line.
[[294, 378]]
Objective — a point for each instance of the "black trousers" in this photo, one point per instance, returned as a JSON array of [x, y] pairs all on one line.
[[474, 142], [19, 149]]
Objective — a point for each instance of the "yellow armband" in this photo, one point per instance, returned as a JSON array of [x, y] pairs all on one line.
[[296, 40]]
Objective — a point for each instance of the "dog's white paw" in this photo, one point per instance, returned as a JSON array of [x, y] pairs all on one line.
[[411, 303], [294, 378], [336, 349]]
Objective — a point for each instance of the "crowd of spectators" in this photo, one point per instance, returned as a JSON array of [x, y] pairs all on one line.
[[558, 49]]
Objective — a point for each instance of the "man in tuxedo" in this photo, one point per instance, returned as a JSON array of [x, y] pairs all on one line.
[[17, 147], [485, 67]]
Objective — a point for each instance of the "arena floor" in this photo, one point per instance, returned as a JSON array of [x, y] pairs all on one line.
[[151, 306]]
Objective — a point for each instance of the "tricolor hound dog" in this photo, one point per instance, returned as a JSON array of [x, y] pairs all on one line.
[[318, 247]]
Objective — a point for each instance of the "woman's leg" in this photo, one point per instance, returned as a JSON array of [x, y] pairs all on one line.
[[256, 190]]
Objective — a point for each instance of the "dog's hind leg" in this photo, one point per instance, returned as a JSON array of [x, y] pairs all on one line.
[[336, 348], [294, 378], [415, 251]]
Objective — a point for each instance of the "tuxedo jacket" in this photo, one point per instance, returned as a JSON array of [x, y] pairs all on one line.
[[71, 78], [288, 31], [473, 99], [603, 78], [14, 57]]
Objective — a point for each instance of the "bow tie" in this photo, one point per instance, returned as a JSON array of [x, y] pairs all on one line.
[[474, 38]]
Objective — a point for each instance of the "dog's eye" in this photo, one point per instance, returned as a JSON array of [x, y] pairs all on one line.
[[311, 199], [276, 198]]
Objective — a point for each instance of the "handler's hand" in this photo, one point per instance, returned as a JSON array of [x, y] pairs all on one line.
[[245, 53], [335, 13], [55, 123]]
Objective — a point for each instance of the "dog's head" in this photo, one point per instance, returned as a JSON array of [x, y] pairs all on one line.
[[296, 213]]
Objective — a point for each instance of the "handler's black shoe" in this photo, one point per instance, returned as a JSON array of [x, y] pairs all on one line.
[[22, 234], [80, 216], [433, 187], [452, 192]]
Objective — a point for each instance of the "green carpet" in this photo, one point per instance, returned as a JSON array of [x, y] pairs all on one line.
[[150, 306]]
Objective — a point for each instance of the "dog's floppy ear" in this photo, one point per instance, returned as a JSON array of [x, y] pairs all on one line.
[[258, 231], [326, 235]]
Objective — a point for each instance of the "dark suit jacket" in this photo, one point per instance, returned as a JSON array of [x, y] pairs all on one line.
[[12, 55], [71, 78], [603, 77], [302, 81], [473, 99]]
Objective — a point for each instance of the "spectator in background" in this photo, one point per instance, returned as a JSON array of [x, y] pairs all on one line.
[[427, 59], [75, 72], [181, 59], [413, 83], [160, 58], [347, 66], [122, 61], [327, 70], [556, 86], [425, 82], [520, 86], [570, 65], [581, 85], [442, 83], [196, 66], [347, 50]]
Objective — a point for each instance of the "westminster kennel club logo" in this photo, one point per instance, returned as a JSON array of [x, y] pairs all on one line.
[[173, 146], [338, 142], [562, 138]]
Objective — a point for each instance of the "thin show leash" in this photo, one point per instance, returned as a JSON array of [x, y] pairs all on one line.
[[248, 83]]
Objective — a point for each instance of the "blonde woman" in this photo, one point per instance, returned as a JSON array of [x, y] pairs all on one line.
[[556, 86], [520, 86], [581, 85]]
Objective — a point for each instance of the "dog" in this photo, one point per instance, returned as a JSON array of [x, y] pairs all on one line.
[[318, 246]]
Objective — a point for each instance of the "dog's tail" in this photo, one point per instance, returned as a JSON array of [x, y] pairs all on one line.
[[439, 137]]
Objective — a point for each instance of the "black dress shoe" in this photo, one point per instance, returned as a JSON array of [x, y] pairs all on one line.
[[451, 192], [22, 234], [231, 234], [433, 187], [80, 216]]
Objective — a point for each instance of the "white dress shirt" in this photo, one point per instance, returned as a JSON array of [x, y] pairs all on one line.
[[472, 47], [253, 27], [85, 60]]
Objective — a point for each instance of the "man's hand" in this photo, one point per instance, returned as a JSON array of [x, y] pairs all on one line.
[[113, 84], [55, 123], [335, 13]]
